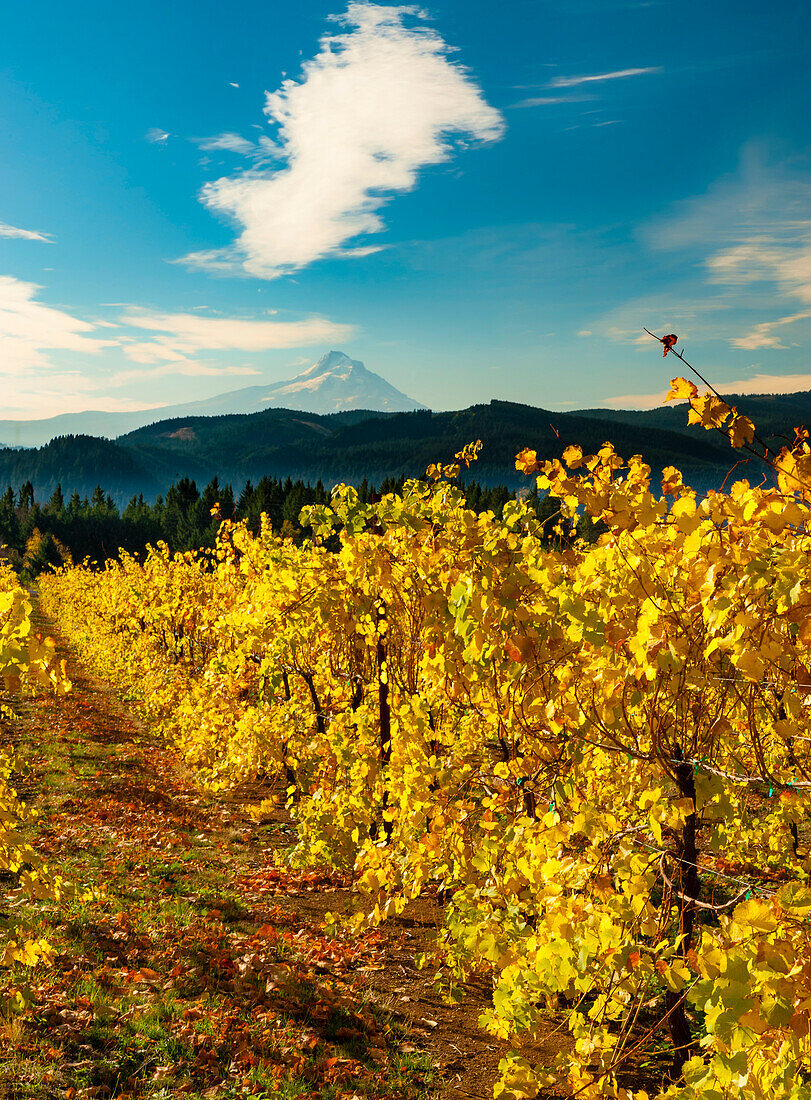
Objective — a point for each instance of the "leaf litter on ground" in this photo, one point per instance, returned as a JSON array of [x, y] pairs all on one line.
[[190, 968]]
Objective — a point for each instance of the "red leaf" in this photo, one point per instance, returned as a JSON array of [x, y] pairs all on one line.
[[669, 342]]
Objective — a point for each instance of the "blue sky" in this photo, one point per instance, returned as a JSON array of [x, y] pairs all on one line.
[[477, 201]]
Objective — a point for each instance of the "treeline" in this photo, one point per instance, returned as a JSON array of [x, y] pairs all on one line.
[[35, 535]]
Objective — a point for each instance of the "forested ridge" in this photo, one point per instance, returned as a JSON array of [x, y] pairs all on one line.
[[352, 446]]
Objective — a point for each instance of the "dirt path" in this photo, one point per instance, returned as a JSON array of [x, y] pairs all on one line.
[[199, 967]]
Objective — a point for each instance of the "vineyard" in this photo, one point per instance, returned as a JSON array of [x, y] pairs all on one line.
[[27, 662], [595, 755]]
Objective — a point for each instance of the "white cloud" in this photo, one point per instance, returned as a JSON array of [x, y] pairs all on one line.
[[186, 367], [65, 392], [182, 335], [29, 332], [763, 336], [7, 230], [759, 200], [39, 343], [620, 74], [773, 257], [752, 233], [157, 136], [745, 248], [380, 101], [29, 329]]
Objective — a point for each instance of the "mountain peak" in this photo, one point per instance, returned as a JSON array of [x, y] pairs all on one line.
[[335, 383], [331, 362]]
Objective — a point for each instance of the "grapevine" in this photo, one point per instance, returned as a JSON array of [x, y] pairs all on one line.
[[27, 662], [597, 753]]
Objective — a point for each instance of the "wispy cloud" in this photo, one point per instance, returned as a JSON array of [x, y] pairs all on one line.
[[232, 143], [157, 136], [764, 336], [552, 100], [32, 336], [187, 367], [29, 330], [380, 101], [760, 199], [24, 234], [39, 343], [751, 234], [66, 392], [261, 150], [782, 260], [182, 336], [593, 78]]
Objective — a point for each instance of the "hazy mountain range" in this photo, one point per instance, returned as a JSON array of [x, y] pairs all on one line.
[[335, 383]]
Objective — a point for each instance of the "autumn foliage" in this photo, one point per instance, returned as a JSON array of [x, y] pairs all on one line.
[[599, 753], [27, 663]]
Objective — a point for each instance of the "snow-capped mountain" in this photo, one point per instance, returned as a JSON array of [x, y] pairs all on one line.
[[333, 384]]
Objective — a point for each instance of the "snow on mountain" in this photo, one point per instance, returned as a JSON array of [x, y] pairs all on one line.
[[333, 384]]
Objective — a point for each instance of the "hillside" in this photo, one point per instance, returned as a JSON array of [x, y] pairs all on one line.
[[348, 446], [78, 463], [345, 447], [774, 414]]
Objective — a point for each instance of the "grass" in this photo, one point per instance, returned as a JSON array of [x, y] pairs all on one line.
[[171, 980]]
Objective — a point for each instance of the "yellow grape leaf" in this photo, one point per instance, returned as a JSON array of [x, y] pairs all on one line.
[[675, 977], [685, 514], [797, 898], [780, 957], [753, 1019], [681, 390], [573, 456], [709, 411], [683, 807], [518, 1079], [751, 664], [799, 1024], [754, 916], [741, 431], [470, 452], [671, 479], [527, 461]]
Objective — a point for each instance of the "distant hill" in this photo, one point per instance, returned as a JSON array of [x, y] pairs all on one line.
[[349, 445], [333, 384], [78, 463], [773, 414], [354, 444]]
